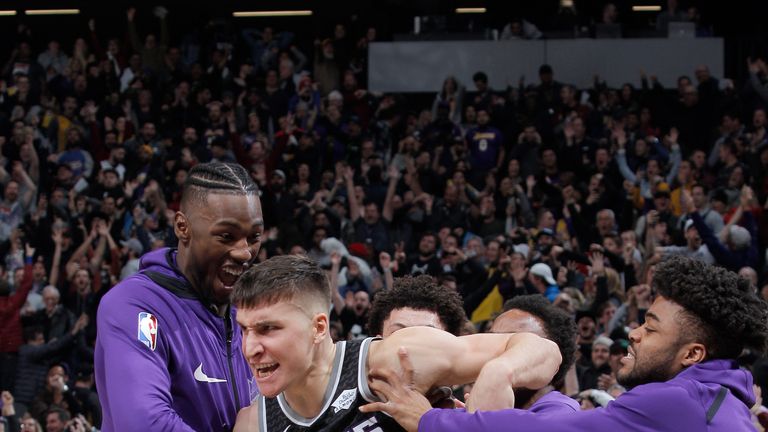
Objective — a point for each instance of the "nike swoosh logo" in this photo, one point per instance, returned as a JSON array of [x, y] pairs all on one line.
[[202, 377]]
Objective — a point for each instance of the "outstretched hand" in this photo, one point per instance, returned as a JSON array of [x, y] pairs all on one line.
[[403, 402]]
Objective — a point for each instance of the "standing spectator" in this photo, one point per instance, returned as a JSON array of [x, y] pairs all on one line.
[[10, 320], [53, 59], [486, 147], [327, 68], [452, 94], [151, 51]]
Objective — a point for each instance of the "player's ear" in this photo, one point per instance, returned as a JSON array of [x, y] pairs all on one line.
[[321, 327], [181, 227]]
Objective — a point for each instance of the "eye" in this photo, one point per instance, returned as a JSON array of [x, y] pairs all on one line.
[[227, 237], [255, 238]]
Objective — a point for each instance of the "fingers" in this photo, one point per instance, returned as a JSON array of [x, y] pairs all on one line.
[[374, 407]]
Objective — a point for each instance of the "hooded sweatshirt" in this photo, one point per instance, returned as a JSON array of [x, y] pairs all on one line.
[[711, 396], [164, 359]]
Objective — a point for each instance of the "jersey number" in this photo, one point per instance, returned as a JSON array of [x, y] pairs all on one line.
[[368, 426]]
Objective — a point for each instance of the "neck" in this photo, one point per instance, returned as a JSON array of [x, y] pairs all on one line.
[[523, 402], [185, 267], [306, 396]]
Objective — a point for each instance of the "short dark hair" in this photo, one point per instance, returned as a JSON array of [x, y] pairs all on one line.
[[721, 309], [30, 333], [280, 278], [219, 177], [419, 293], [62, 413], [559, 327], [480, 76]]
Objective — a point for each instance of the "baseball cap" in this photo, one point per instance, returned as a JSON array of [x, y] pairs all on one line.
[[543, 270], [134, 245], [545, 231], [279, 172], [688, 224], [662, 190], [739, 237], [603, 340]]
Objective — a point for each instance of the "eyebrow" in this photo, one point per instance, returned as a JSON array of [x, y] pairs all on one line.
[[258, 324], [652, 316], [402, 326]]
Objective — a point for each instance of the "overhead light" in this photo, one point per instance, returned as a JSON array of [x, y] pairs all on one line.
[[52, 11], [283, 13], [469, 10], [655, 8], [7, 13]]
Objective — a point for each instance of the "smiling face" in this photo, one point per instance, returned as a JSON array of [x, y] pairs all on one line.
[[656, 352], [279, 342], [218, 240]]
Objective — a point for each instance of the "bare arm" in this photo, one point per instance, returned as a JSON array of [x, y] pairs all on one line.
[[56, 265], [394, 174], [132, 33], [248, 419], [385, 261], [98, 254], [497, 363], [354, 206], [31, 187], [338, 302]]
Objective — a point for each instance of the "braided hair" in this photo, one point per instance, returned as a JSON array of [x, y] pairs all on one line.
[[218, 177]]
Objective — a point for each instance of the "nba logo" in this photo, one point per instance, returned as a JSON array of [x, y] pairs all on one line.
[[148, 330]]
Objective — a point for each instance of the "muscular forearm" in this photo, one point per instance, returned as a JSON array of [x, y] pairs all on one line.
[[530, 361]]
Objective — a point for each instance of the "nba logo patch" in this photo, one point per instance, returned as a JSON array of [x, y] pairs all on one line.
[[148, 330]]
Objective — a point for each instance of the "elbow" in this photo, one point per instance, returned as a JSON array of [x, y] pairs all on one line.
[[546, 362]]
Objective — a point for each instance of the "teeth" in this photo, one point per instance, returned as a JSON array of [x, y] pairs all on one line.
[[233, 273], [264, 371], [265, 366]]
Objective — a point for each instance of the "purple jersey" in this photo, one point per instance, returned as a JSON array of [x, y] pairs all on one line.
[[555, 402], [711, 396], [164, 360]]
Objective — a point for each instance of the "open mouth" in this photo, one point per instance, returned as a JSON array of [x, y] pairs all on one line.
[[630, 356], [230, 275], [266, 370]]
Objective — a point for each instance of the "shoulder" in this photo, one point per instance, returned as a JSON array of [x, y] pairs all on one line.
[[673, 396], [136, 293], [137, 287], [248, 419]]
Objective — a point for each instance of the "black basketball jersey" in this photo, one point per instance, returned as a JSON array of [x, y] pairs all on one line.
[[347, 390]]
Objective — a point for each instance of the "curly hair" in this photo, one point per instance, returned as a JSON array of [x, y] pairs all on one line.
[[558, 326], [419, 293], [721, 309]]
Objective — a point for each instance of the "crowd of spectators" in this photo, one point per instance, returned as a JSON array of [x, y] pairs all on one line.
[[573, 193]]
